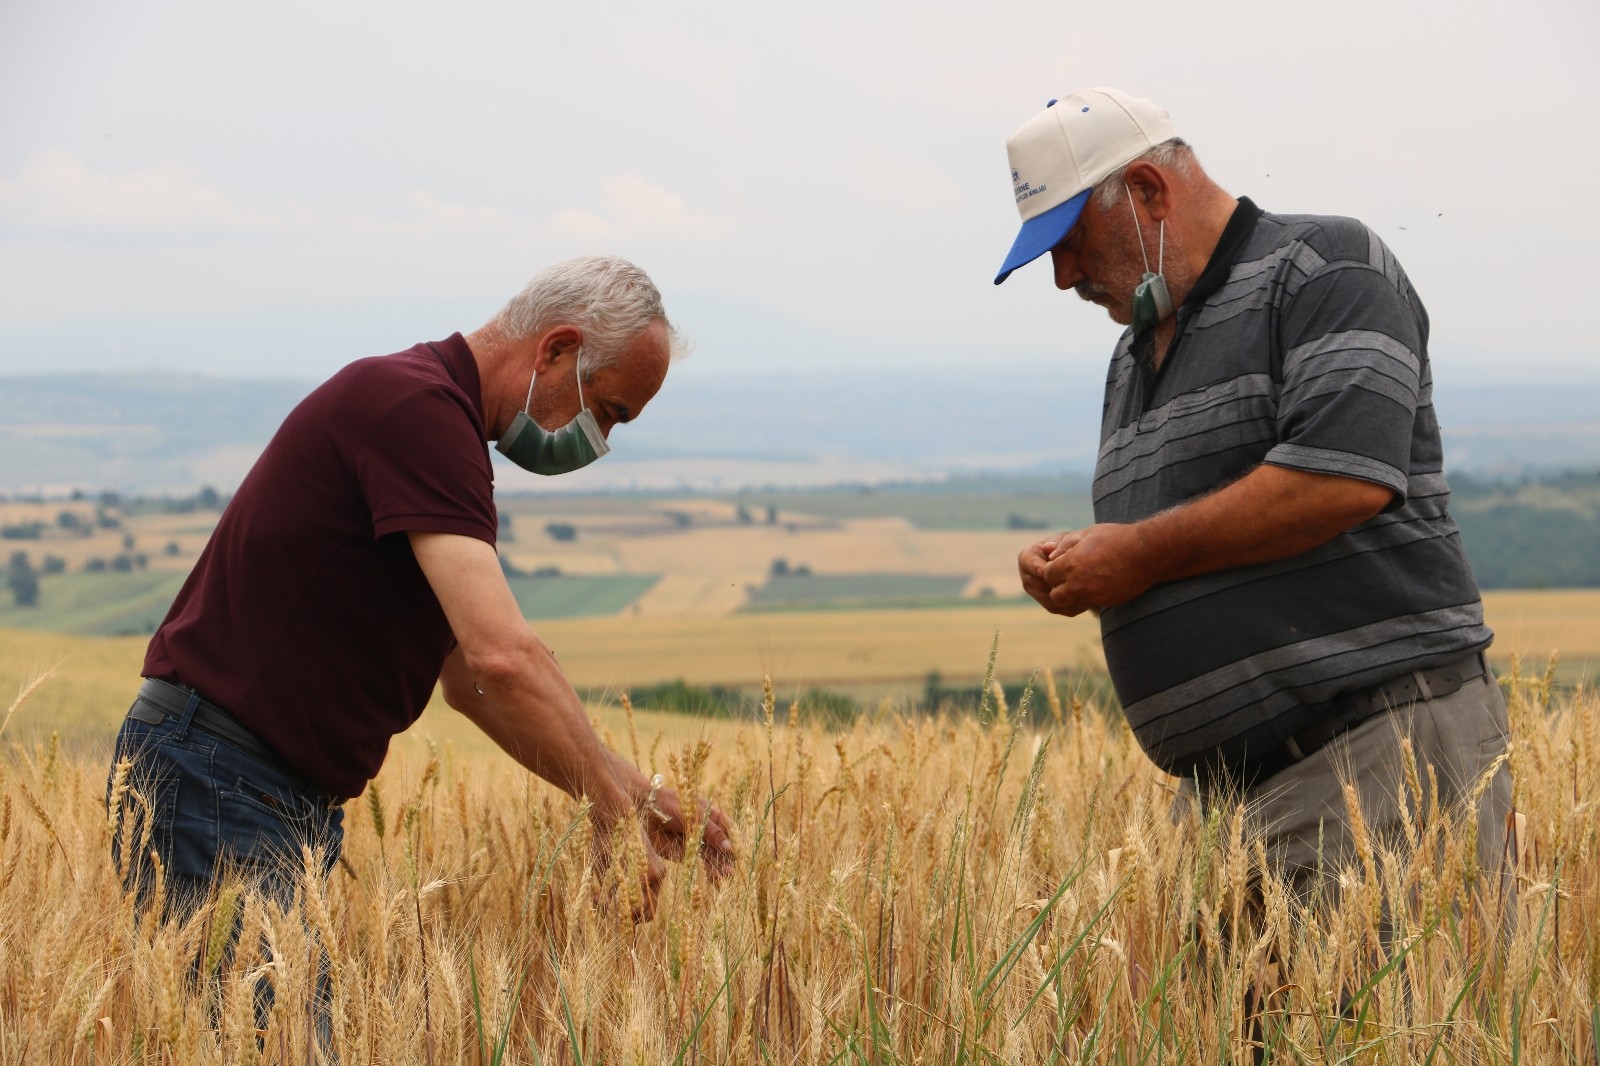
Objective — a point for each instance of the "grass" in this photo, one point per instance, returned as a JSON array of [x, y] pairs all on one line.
[[960, 503], [122, 604], [919, 603], [851, 590], [97, 604], [92, 683], [578, 595], [939, 890], [886, 648]]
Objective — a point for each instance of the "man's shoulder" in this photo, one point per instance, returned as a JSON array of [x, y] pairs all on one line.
[[396, 373], [370, 388], [1332, 237]]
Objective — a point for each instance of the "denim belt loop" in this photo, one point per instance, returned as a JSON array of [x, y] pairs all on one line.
[[189, 707]]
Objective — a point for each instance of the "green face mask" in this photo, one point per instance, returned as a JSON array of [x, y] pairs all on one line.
[[1151, 301], [560, 451]]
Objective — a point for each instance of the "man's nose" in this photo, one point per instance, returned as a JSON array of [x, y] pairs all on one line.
[[1066, 267]]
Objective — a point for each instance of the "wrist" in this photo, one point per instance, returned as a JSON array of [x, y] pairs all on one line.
[[610, 803], [1146, 551]]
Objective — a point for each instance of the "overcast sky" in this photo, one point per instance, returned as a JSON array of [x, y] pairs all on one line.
[[346, 178]]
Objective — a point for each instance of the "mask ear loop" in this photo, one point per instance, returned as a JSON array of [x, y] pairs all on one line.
[[1140, 231], [577, 359]]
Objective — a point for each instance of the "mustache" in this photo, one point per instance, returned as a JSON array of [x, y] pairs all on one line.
[[1088, 290]]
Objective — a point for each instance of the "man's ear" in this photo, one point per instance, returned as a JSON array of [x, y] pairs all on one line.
[[556, 345], [1148, 185]]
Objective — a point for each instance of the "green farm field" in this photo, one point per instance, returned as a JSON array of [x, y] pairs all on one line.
[[578, 595], [821, 591], [961, 503], [97, 604]]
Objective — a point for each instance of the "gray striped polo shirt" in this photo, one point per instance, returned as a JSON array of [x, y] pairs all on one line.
[[1302, 345]]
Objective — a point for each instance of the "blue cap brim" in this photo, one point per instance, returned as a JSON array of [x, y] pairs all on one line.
[[1041, 233]]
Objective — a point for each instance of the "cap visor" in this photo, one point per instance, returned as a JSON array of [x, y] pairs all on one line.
[[1041, 233]]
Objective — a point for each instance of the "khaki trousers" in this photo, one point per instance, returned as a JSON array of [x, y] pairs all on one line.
[[1305, 822]]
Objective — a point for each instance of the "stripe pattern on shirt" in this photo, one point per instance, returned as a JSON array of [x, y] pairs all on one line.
[[1311, 355]]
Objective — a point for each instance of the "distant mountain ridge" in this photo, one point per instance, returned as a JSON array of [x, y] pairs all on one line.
[[143, 432]]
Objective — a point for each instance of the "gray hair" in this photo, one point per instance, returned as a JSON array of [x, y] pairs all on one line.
[[608, 298], [1174, 154]]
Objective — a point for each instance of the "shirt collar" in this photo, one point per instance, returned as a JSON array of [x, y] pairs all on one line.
[[1234, 235], [462, 367]]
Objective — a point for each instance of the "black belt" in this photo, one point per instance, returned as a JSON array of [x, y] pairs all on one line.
[[1349, 710], [167, 700]]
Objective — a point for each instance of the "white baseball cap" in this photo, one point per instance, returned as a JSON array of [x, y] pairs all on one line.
[[1059, 155]]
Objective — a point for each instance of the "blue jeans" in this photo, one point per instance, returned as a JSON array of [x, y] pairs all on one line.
[[214, 810]]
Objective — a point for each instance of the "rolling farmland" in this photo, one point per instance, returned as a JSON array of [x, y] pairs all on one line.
[[872, 654]]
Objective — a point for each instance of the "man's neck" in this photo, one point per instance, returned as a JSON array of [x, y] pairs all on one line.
[[1195, 241], [1161, 340], [490, 350]]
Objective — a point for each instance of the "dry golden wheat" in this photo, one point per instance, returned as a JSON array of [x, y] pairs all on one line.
[[936, 890]]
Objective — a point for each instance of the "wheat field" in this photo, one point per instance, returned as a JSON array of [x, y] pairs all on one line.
[[1006, 888]]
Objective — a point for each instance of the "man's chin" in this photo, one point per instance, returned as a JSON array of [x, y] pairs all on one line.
[[1102, 298], [1117, 314]]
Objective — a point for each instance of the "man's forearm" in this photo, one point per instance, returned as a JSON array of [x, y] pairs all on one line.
[[503, 677], [629, 777], [1269, 514], [536, 717]]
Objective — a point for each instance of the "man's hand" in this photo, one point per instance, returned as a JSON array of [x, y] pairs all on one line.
[[666, 834], [661, 812], [664, 821], [654, 871], [508, 683], [1094, 568], [1031, 566]]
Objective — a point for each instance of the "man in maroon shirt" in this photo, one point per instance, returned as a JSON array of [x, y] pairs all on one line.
[[356, 566]]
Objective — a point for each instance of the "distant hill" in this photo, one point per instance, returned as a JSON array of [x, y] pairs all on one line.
[[717, 429], [148, 432], [1531, 533]]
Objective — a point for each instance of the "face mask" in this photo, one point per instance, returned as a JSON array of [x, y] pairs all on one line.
[[1151, 302], [543, 451]]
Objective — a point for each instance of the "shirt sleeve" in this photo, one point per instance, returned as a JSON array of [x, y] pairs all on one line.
[[1352, 371], [423, 468]]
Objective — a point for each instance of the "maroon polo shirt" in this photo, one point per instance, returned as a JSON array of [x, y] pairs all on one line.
[[307, 617]]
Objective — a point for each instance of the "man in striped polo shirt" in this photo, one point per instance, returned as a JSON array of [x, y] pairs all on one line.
[[1281, 590]]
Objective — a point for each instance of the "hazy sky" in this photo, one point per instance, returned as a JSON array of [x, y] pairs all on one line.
[[345, 178]]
